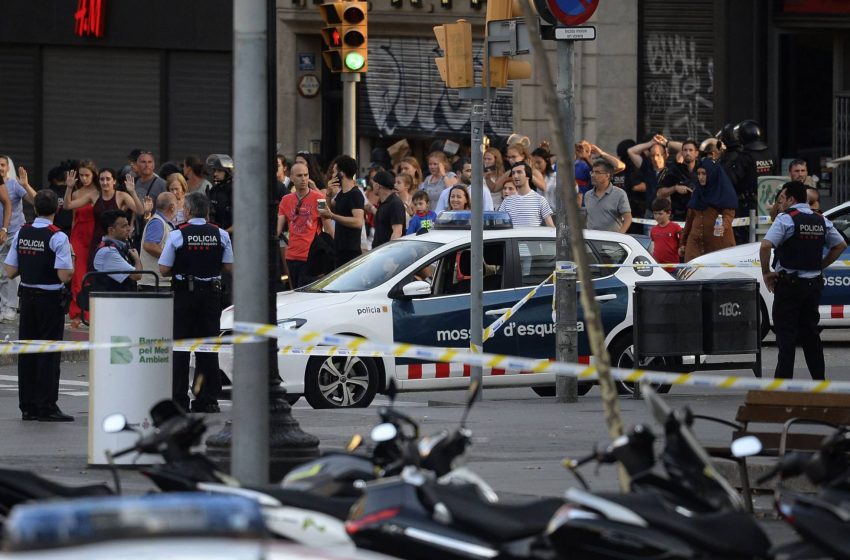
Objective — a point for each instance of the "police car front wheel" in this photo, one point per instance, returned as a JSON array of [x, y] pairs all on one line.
[[340, 382]]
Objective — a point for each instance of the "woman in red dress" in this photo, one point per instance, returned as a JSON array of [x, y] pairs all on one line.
[[82, 181]]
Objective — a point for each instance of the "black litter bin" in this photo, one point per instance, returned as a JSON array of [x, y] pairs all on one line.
[[668, 318], [731, 316]]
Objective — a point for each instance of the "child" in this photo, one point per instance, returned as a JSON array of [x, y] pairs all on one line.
[[666, 236], [423, 217]]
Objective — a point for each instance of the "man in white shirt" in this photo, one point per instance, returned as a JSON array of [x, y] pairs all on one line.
[[526, 207]]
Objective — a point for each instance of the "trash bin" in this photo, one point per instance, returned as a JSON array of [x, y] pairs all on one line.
[[668, 318], [731, 316], [127, 380]]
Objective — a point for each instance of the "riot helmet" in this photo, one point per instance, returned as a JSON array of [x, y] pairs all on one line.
[[728, 136], [221, 162], [749, 134]]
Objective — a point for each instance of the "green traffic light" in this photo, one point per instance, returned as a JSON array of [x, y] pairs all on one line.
[[354, 61]]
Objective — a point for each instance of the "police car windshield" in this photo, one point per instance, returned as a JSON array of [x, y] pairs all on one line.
[[374, 268]]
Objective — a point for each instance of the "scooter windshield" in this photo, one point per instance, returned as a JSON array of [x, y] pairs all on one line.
[[685, 459]]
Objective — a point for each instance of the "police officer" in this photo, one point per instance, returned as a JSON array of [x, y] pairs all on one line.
[[195, 256], [753, 162], [115, 254], [221, 192], [41, 255], [798, 236]]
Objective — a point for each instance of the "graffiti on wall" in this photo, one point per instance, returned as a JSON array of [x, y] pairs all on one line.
[[678, 91], [403, 95]]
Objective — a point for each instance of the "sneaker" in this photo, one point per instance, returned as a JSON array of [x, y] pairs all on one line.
[[9, 315]]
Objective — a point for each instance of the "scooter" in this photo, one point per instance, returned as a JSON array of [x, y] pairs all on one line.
[[693, 512], [414, 516], [823, 520]]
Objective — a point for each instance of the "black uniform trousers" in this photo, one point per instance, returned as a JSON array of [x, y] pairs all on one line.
[[795, 320], [196, 314], [42, 318]]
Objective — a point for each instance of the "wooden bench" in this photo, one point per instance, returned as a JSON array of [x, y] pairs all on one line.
[[783, 409]]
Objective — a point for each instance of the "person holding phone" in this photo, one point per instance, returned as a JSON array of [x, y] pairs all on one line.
[[301, 210], [345, 209]]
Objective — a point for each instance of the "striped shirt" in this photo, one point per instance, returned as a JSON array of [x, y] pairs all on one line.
[[526, 210]]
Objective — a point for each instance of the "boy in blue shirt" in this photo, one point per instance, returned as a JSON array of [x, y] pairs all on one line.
[[423, 218]]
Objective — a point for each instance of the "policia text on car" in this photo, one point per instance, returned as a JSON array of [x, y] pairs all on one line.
[[798, 236]]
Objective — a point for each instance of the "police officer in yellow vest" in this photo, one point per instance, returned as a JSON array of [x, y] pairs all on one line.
[[195, 256]]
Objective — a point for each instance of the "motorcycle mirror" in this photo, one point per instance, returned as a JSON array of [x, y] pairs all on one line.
[[384, 432], [746, 446], [356, 441], [114, 423], [165, 410], [392, 391]]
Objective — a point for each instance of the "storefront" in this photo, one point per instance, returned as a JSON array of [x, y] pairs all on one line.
[[153, 74]]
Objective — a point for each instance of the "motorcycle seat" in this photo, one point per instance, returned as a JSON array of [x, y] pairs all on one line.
[[333, 506], [495, 522], [18, 486], [730, 533]]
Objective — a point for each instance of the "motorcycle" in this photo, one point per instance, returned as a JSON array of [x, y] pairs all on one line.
[[821, 520]]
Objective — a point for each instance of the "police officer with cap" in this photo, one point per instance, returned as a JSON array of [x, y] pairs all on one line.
[[798, 237], [195, 256], [753, 162], [41, 255]]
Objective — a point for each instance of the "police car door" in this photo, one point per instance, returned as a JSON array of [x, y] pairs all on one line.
[[442, 318], [835, 299], [533, 325]]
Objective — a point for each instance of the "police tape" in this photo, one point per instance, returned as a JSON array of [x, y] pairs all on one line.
[[736, 222], [490, 331], [208, 344], [315, 340], [839, 264]]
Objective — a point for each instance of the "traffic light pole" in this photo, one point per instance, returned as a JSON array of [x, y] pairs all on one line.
[[349, 113], [566, 328]]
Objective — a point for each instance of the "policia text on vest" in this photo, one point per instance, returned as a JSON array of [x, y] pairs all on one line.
[[798, 237]]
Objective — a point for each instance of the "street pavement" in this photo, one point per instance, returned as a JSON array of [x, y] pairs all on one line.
[[519, 438]]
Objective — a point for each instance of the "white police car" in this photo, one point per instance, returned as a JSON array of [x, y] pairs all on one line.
[[416, 290], [835, 298]]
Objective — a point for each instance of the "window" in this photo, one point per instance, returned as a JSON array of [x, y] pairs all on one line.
[[841, 221], [537, 260], [450, 274]]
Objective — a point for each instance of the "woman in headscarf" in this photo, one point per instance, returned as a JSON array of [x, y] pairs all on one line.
[[714, 197]]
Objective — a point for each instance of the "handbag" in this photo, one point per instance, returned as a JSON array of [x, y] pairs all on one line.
[[320, 258]]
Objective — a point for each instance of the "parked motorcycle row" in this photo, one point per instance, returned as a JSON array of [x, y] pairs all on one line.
[[405, 495]]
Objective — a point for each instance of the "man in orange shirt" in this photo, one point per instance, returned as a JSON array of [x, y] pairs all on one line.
[[301, 210]]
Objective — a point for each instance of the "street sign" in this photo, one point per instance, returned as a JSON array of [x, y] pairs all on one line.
[[507, 37], [572, 12], [585, 33]]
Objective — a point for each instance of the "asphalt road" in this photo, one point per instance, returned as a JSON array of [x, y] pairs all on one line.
[[519, 438]]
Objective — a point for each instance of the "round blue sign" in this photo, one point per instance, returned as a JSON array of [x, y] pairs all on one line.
[[572, 12]]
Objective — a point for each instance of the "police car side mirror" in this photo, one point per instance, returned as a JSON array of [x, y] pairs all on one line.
[[417, 288]]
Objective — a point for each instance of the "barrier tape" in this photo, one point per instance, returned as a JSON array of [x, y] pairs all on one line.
[[208, 344], [840, 264], [736, 222], [310, 339], [490, 331]]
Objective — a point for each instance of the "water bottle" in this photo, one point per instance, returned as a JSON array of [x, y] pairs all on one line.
[[718, 227]]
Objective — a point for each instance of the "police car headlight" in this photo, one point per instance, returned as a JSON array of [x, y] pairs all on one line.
[[291, 324]]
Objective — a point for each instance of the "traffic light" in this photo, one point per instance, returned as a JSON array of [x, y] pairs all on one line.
[[355, 34], [502, 68], [332, 35], [455, 66], [345, 36]]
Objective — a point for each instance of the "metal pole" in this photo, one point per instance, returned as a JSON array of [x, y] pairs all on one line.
[[476, 287], [250, 449], [753, 224], [566, 338], [349, 114]]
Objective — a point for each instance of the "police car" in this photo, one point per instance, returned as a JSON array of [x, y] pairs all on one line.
[[835, 298], [416, 290]]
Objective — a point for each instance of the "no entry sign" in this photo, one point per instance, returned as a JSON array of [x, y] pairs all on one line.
[[572, 12]]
